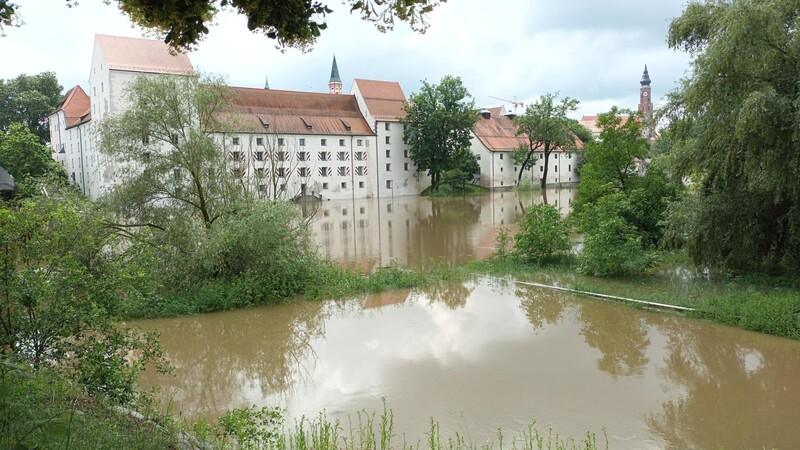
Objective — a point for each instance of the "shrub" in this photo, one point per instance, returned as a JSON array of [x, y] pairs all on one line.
[[613, 249], [542, 234]]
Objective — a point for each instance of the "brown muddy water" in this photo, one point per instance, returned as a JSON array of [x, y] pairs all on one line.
[[485, 354]]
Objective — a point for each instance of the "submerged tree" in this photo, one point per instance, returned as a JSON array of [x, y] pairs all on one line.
[[439, 121], [546, 127], [738, 118]]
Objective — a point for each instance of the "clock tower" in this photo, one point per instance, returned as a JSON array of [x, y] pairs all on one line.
[[646, 102]]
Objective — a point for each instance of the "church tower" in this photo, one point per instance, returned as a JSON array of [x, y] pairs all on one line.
[[335, 84], [646, 104], [645, 100]]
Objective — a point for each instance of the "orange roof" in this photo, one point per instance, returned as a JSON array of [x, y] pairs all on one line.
[[384, 99], [142, 55], [590, 122], [498, 132], [291, 112], [75, 105]]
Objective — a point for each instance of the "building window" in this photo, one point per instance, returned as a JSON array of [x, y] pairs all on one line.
[[388, 184], [405, 153], [555, 169], [324, 171], [102, 88], [555, 155], [501, 169], [359, 142], [478, 157], [341, 142], [145, 140], [388, 153], [323, 142], [282, 156], [176, 174], [386, 126], [569, 168], [325, 186], [174, 138], [302, 142], [259, 141], [388, 140], [342, 156], [324, 156], [341, 171], [236, 141], [501, 156], [388, 167], [405, 166], [361, 156], [281, 172], [344, 185], [541, 168], [259, 156], [361, 184], [304, 172], [260, 172], [361, 170], [280, 141]]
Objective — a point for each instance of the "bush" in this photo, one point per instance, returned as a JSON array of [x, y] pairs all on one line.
[[542, 234]]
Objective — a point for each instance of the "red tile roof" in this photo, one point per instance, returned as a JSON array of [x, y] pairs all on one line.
[[75, 105], [384, 99], [142, 55], [499, 134], [291, 112]]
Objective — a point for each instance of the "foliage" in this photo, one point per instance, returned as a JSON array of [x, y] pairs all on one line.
[[60, 286], [545, 126], [736, 120], [28, 99], [542, 234], [28, 161], [776, 313], [44, 409], [609, 162], [439, 121], [252, 428], [581, 131], [294, 23], [522, 158], [611, 246]]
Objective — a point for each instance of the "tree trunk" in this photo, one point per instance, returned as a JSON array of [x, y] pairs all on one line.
[[524, 165], [546, 163]]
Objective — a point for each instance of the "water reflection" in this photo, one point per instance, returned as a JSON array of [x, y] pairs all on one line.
[[488, 353], [414, 230]]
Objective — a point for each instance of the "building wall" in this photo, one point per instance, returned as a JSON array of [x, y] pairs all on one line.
[[499, 171]]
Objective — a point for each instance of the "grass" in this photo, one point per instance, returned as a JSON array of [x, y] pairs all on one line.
[[756, 303], [264, 428]]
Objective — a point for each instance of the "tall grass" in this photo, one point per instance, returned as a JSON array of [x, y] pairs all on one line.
[[369, 431]]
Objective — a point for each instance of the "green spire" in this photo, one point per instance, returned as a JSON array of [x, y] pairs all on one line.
[[645, 77], [266, 82], [335, 72]]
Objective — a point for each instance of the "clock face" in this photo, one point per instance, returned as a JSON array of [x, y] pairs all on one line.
[[644, 94]]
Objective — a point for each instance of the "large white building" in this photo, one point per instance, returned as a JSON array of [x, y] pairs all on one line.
[[287, 143]]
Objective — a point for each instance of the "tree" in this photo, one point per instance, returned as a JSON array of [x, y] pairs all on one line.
[[27, 160], [545, 126], [60, 287], [29, 99], [439, 121], [542, 234], [738, 118], [186, 195], [609, 162], [292, 23]]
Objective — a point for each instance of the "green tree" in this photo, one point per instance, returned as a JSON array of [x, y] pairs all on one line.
[[184, 194], [545, 126], [29, 99], [439, 120], [27, 160], [542, 234], [609, 162], [60, 289], [292, 23], [737, 119]]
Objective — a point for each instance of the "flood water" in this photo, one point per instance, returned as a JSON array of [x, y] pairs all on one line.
[[484, 354]]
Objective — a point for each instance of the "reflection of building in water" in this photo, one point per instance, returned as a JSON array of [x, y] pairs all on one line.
[[414, 230]]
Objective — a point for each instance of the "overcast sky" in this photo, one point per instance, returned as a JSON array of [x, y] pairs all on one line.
[[591, 50]]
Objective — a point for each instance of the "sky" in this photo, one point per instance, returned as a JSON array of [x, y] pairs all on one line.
[[591, 50]]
